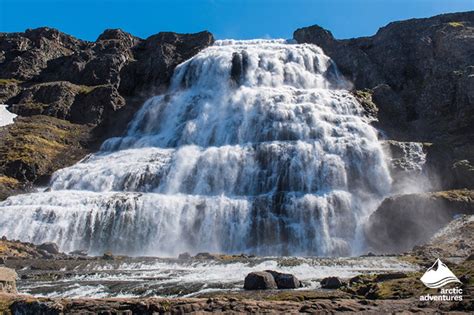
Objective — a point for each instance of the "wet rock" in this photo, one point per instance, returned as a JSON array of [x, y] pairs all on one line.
[[331, 283], [390, 276], [184, 256], [79, 252], [259, 281], [285, 280], [108, 256], [49, 247], [364, 97], [205, 256]]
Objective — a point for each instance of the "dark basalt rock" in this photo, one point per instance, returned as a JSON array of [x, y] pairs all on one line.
[[259, 281], [331, 283], [184, 256], [108, 256], [207, 256], [285, 280], [50, 247]]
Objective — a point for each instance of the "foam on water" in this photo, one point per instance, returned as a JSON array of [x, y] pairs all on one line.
[[257, 147]]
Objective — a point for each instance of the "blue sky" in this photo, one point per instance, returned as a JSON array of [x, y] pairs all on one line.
[[224, 18]]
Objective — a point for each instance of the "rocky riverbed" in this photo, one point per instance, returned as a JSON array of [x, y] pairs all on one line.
[[53, 282]]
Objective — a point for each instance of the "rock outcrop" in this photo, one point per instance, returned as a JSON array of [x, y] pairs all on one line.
[[401, 222], [331, 283], [34, 147], [12, 249], [260, 280], [7, 280], [93, 87], [419, 69], [270, 279]]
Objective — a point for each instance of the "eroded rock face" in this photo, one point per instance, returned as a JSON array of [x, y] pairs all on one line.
[[401, 222]]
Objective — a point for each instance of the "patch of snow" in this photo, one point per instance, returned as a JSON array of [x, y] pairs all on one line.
[[6, 117]]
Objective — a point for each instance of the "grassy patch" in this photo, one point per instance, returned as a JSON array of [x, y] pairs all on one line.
[[45, 143], [86, 89], [4, 180], [456, 24], [9, 81]]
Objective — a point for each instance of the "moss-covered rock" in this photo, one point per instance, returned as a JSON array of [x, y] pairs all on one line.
[[34, 147], [9, 186]]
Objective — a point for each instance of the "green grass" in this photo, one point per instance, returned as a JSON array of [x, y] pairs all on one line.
[[456, 24], [9, 81]]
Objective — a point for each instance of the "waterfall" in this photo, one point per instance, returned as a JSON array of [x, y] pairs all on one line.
[[256, 147]]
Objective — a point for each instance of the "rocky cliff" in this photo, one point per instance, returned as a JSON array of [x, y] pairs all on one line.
[[72, 94], [417, 78], [420, 75]]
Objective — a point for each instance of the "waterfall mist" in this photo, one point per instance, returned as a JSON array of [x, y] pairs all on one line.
[[257, 147]]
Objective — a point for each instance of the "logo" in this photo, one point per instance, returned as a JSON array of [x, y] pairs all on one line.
[[438, 275]]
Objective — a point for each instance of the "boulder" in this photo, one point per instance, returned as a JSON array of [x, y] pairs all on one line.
[[184, 256], [259, 281], [50, 248], [403, 221], [285, 280], [207, 256], [108, 256], [331, 283]]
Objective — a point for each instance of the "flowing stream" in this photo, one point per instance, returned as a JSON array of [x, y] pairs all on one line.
[[257, 147]]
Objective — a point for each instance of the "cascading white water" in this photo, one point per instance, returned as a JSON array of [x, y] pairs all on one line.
[[257, 147]]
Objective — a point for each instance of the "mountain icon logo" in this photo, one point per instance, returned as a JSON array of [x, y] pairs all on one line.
[[438, 275]]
